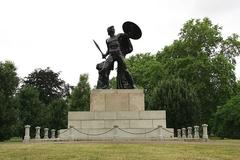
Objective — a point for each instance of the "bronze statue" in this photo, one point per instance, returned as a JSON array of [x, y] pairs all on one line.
[[118, 46]]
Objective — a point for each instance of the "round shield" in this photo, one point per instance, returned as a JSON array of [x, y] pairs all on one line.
[[132, 30]]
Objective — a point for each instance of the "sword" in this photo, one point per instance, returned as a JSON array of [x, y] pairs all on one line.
[[98, 47]]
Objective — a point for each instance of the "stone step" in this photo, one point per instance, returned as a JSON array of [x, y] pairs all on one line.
[[74, 116], [121, 123]]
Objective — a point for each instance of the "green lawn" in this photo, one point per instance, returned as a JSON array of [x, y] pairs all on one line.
[[215, 149]]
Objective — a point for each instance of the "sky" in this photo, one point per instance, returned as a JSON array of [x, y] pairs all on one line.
[[59, 33]]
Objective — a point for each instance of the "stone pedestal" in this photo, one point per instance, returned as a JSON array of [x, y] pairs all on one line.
[[205, 131], [189, 132], [196, 132], [27, 133], [53, 133], [179, 133], [123, 108], [46, 133], [37, 136], [183, 132], [107, 100]]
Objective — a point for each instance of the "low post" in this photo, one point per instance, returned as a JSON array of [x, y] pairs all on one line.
[[205, 132], [58, 133], [37, 136], [196, 132], [52, 133], [27, 133], [160, 132], [189, 132], [183, 132], [45, 133], [71, 133], [115, 132], [179, 133]]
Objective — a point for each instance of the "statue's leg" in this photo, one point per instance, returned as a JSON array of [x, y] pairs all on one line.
[[107, 67], [125, 73]]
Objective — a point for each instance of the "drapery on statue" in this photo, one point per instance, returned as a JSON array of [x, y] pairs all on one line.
[[117, 47]]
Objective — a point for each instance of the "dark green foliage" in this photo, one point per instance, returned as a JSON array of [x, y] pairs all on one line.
[[202, 59], [48, 83], [8, 79], [79, 100], [58, 110], [32, 111], [8, 117], [42, 100], [180, 101], [200, 37], [227, 119], [8, 105], [113, 83], [146, 72]]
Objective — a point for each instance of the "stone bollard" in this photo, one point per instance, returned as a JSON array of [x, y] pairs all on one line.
[[179, 133], [58, 134], [183, 132], [205, 132], [196, 132], [45, 133], [189, 132], [37, 136], [160, 132], [115, 132], [71, 133], [27, 133], [52, 133]]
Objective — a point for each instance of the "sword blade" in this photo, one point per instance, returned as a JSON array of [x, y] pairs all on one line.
[[97, 46]]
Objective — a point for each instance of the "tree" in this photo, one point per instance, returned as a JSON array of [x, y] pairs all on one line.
[[203, 58], [32, 111], [8, 106], [146, 73], [8, 79], [200, 57], [227, 119], [180, 101], [58, 114], [48, 83], [79, 100], [113, 83]]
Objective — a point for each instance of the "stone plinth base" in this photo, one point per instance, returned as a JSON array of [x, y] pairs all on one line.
[[116, 114], [115, 134], [123, 119], [130, 125], [117, 100]]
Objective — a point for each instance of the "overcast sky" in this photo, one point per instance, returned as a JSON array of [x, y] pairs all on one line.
[[58, 33]]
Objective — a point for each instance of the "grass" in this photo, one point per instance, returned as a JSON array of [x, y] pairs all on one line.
[[213, 150]]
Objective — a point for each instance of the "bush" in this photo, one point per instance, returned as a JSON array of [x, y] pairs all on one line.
[[227, 119]]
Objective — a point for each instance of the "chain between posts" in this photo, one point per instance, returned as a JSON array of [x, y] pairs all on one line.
[[137, 133], [167, 130], [64, 131], [98, 134]]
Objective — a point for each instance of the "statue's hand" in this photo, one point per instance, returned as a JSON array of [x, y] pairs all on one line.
[[104, 56]]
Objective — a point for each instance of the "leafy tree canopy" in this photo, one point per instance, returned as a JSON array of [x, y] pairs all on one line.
[[48, 83], [79, 100], [227, 119], [8, 106]]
